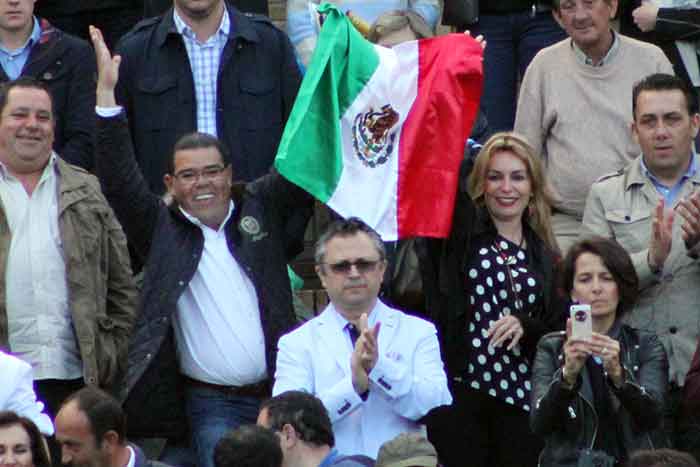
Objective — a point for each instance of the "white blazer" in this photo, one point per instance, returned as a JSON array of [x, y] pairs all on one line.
[[407, 381], [17, 392]]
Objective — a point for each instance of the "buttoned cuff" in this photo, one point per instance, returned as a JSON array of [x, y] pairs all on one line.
[[389, 377], [341, 399]]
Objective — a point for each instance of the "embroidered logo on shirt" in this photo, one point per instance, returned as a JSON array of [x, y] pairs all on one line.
[[251, 226]]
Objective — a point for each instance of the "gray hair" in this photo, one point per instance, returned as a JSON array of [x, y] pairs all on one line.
[[347, 228]]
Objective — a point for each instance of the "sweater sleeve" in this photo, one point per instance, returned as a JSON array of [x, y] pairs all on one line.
[[529, 118]]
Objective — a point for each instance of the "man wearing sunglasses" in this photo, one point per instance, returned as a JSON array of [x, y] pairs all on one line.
[[376, 369]]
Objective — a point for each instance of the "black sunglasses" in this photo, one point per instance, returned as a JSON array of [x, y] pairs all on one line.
[[363, 266]]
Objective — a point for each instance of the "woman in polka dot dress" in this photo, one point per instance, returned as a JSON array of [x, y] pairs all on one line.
[[489, 288]]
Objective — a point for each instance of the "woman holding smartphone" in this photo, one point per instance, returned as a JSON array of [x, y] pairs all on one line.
[[489, 290], [598, 398]]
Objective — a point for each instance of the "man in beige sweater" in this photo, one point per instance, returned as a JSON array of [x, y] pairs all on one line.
[[575, 105]]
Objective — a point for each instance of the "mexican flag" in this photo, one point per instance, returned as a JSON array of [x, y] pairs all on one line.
[[379, 133]]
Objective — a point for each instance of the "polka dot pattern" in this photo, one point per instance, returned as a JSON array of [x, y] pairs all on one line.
[[501, 373]]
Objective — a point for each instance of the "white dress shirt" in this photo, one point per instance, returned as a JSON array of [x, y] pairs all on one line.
[[218, 331], [39, 321]]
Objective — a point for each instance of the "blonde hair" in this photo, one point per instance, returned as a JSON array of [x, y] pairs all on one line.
[[396, 20], [539, 212]]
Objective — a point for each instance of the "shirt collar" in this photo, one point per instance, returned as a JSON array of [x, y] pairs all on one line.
[[132, 457], [50, 169], [371, 319], [182, 28], [584, 59], [202, 226], [330, 457], [33, 38], [689, 172]]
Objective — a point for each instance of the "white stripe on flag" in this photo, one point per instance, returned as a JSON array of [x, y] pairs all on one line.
[[370, 193]]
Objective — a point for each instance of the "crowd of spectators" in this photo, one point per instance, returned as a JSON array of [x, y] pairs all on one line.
[[145, 243]]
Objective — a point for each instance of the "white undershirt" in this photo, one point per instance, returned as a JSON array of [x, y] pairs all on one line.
[[39, 321], [132, 458], [218, 331]]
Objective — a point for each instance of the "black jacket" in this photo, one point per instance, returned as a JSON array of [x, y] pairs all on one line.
[[672, 24], [443, 267], [67, 65], [172, 247], [257, 84], [63, 7], [566, 418]]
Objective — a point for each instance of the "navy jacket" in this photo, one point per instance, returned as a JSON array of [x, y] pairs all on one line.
[[67, 65], [257, 84], [172, 247]]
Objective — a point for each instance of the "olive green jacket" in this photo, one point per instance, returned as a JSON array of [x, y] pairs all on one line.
[[620, 206], [101, 290]]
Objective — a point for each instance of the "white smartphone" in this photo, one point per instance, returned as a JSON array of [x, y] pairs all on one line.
[[581, 325]]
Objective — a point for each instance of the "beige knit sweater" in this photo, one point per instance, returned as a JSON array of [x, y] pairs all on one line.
[[578, 116]]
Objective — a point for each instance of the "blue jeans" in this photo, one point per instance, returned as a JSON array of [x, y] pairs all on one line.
[[513, 40], [212, 414]]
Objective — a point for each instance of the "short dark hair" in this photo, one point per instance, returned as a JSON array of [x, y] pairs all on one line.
[[616, 260], [40, 454], [24, 82], [248, 446], [197, 140], [347, 228], [102, 411], [304, 412], [662, 458], [664, 82]]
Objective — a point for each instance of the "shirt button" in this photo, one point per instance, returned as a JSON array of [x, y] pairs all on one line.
[[673, 329], [181, 283]]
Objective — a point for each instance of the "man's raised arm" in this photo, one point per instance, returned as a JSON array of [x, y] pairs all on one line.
[[123, 184]]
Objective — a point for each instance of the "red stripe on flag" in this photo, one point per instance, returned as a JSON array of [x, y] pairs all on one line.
[[434, 134]]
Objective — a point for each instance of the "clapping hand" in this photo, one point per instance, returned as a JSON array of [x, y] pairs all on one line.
[[365, 355]]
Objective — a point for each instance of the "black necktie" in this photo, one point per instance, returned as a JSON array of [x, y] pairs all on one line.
[[354, 333]]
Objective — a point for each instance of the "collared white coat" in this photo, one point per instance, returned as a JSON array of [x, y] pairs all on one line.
[[407, 381], [17, 392]]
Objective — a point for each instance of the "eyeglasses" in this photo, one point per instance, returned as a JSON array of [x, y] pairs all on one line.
[[362, 265], [189, 176]]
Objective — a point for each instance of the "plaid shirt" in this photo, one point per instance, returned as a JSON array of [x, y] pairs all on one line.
[[204, 61]]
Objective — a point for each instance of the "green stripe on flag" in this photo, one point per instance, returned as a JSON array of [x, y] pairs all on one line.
[[310, 152]]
